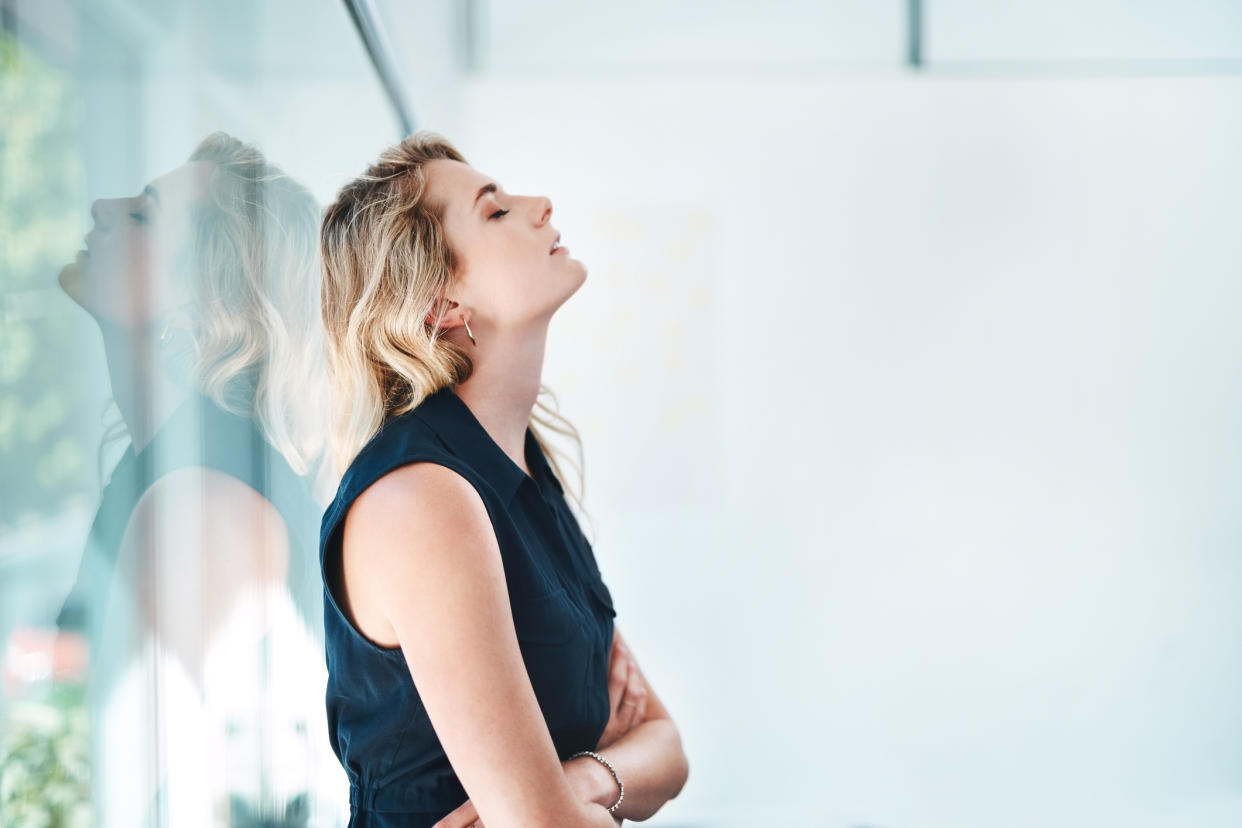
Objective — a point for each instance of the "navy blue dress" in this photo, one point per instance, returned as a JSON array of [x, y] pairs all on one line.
[[563, 615]]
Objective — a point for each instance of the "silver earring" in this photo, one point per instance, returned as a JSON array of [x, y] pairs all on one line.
[[467, 324]]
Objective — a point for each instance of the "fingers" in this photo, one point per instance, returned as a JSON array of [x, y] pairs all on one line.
[[618, 675], [627, 692], [634, 703], [635, 696], [618, 679], [622, 710], [463, 816], [628, 706], [636, 693]]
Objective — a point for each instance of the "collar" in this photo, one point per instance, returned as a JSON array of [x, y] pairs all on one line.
[[449, 417]]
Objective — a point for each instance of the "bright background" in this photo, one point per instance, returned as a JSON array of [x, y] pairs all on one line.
[[907, 364]]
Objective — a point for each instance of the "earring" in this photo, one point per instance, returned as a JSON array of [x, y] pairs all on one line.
[[467, 324], [164, 334]]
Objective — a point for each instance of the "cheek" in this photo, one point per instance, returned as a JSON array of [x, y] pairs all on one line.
[[116, 282], [120, 260]]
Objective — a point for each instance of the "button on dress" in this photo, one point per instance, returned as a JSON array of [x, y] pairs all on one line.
[[398, 772]]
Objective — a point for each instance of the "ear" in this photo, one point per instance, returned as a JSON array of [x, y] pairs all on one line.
[[442, 314]]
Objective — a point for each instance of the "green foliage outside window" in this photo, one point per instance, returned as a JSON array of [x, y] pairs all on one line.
[[46, 452], [45, 776]]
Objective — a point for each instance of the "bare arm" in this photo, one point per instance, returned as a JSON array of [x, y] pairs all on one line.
[[419, 545], [648, 758]]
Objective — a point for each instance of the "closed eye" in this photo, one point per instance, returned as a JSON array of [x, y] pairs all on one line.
[[498, 213]]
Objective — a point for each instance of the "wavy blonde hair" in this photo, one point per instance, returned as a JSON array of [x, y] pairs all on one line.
[[259, 339], [386, 265], [254, 344]]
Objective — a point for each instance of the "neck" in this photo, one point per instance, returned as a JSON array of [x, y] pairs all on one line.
[[504, 385], [145, 396]]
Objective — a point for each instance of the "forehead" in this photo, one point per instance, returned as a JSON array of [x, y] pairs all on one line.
[[185, 183], [454, 184]]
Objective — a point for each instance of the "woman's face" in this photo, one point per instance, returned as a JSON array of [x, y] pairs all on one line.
[[135, 265], [507, 275]]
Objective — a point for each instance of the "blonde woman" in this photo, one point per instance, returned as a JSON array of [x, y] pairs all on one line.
[[475, 673]]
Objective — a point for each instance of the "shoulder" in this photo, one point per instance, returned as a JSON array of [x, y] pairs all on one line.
[[404, 470], [417, 513], [203, 490], [413, 539], [401, 440], [196, 507], [431, 492]]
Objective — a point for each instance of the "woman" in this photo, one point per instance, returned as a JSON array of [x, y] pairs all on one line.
[[470, 637], [203, 288]]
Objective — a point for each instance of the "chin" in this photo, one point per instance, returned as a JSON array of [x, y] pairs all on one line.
[[578, 282], [70, 281]]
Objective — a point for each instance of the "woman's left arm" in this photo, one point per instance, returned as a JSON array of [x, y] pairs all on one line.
[[648, 758]]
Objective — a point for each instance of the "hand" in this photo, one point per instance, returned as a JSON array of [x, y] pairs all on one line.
[[627, 696], [627, 693], [465, 816]]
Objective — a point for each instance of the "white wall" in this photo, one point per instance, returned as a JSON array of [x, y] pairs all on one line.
[[910, 407]]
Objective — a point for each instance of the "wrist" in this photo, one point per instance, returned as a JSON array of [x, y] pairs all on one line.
[[596, 781]]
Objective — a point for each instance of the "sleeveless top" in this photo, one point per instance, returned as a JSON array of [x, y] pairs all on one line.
[[102, 604], [563, 614]]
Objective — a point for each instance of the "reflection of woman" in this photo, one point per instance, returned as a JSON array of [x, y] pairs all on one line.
[[204, 290], [470, 637]]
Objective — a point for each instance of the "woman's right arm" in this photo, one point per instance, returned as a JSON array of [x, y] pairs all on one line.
[[418, 546]]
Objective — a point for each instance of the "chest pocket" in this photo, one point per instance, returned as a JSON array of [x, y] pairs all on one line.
[[548, 619], [600, 590], [595, 581], [557, 647]]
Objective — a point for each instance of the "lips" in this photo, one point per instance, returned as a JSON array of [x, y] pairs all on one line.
[[554, 248]]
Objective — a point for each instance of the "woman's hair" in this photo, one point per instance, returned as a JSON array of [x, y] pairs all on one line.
[[255, 265], [386, 265], [254, 342]]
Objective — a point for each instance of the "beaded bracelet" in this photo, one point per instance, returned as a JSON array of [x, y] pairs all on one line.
[[611, 769]]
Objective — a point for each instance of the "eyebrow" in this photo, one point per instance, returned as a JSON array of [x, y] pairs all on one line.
[[152, 194], [489, 187]]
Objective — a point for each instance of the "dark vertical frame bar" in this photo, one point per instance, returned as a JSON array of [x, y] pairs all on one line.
[[362, 13], [471, 14], [8, 18], [914, 33]]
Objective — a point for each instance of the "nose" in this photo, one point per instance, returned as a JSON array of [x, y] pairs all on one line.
[[103, 209], [546, 212]]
